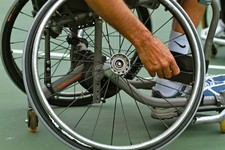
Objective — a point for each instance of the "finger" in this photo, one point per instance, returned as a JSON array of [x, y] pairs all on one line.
[[152, 73], [175, 69], [167, 72], [160, 74]]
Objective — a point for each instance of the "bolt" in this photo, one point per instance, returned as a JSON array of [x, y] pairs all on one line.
[[90, 14], [48, 62], [48, 85], [103, 100]]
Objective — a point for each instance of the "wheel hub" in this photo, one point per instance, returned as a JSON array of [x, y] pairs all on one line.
[[119, 64]]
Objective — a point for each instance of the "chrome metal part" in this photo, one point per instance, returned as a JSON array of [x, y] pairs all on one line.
[[119, 64], [210, 119]]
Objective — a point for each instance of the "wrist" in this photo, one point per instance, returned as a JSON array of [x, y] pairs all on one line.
[[143, 39]]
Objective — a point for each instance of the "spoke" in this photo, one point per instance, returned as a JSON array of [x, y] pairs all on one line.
[[16, 58], [121, 43], [108, 81], [167, 86], [78, 122], [59, 45], [107, 35], [17, 42], [133, 92], [164, 97], [162, 25], [61, 40], [148, 19], [106, 53], [106, 90], [20, 29], [26, 14], [56, 65], [55, 49], [96, 121], [125, 120], [142, 117], [129, 50], [114, 120], [72, 102], [174, 38], [70, 13], [132, 52], [53, 94]]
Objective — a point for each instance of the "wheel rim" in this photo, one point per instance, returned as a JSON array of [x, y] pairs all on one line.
[[13, 38], [69, 131]]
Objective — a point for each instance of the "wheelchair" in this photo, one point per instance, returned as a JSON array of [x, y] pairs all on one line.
[[72, 55], [12, 47], [218, 40]]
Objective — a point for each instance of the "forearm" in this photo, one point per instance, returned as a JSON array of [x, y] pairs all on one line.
[[155, 56], [119, 16]]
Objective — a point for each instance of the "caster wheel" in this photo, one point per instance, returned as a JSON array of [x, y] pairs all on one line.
[[32, 121], [222, 126], [213, 51]]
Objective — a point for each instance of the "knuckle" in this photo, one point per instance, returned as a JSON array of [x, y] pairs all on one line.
[[171, 59], [152, 68], [165, 65]]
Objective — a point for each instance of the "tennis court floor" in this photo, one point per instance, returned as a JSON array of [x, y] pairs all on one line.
[[14, 134]]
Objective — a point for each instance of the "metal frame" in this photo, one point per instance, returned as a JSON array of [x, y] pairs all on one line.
[[130, 87]]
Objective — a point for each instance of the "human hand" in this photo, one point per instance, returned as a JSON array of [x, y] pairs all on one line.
[[157, 59]]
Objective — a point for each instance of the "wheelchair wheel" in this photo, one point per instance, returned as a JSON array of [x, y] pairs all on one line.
[[71, 48], [13, 37]]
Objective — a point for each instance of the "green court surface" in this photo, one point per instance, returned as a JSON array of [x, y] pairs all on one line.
[[15, 135]]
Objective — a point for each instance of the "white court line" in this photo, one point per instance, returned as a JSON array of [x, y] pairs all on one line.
[[41, 53], [61, 55], [17, 51]]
